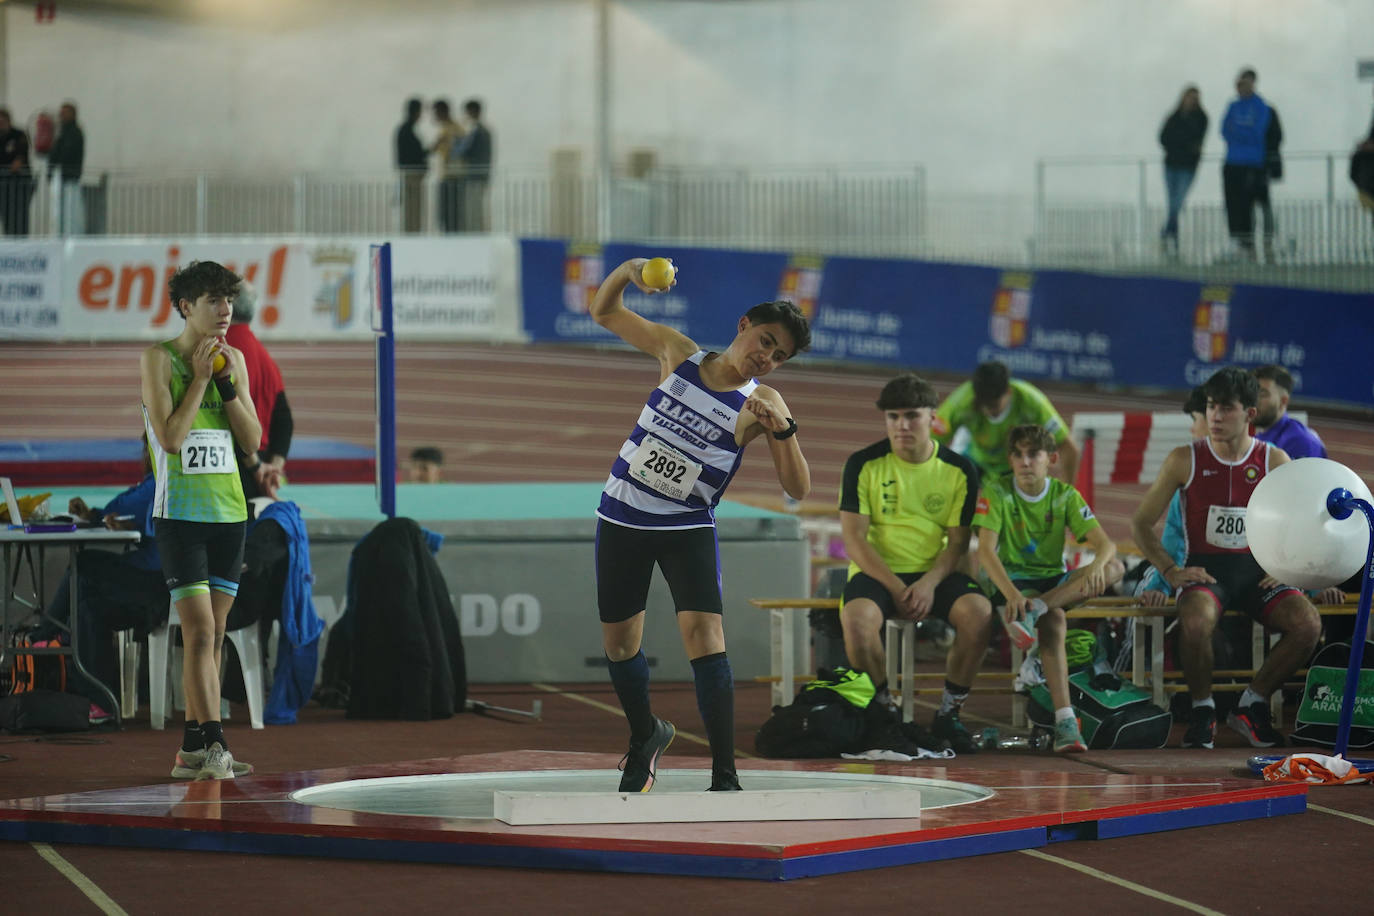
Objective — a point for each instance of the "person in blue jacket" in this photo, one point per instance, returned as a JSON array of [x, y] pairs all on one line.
[[1253, 135], [117, 591]]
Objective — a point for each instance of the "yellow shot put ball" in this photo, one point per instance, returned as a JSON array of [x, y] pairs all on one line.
[[658, 273], [218, 365]]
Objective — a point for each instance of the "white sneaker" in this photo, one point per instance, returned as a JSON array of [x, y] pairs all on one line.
[[1022, 632], [188, 765], [218, 764]]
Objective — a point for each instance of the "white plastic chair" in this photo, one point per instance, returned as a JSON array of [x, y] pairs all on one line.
[[246, 644]]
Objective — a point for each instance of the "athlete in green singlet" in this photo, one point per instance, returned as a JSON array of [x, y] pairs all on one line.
[[196, 420]]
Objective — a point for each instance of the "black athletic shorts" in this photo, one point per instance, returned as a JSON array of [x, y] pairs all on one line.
[[688, 557], [951, 588], [200, 552], [1237, 587]]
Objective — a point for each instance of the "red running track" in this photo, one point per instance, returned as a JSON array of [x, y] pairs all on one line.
[[514, 413]]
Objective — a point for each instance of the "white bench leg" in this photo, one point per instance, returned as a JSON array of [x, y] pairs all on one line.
[[1157, 661], [899, 637], [908, 670], [128, 673], [157, 676], [1018, 702], [781, 663]]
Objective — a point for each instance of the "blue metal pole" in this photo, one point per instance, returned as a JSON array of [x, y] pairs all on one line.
[[1341, 503]]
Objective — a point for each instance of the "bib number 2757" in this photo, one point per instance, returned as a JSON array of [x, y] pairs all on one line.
[[207, 451]]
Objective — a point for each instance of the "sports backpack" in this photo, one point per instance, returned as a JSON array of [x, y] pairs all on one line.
[[827, 718], [1112, 713], [1319, 712]]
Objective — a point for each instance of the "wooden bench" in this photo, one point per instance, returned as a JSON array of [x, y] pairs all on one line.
[[900, 641]]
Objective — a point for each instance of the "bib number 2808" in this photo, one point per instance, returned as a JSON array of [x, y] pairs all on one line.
[[207, 451]]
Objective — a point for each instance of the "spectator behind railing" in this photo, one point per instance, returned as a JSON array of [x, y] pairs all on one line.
[[1182, 136], [474, 151], [16, 178], [64, 163], [1362, 170], [412, 162], [445, 149], [1253, 137]]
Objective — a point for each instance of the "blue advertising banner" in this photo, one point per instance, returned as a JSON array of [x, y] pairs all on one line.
[[1058, 325]]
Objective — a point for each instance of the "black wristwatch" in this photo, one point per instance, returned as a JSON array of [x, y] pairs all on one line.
[[789, 432]]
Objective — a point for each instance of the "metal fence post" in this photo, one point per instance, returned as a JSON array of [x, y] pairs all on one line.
[[1040, 228], [1140, 212], [202, 203], [298, 203], [1330, 245]]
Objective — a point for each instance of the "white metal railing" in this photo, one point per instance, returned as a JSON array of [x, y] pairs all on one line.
[[1101, 213], [876, 210], [1107, 212]]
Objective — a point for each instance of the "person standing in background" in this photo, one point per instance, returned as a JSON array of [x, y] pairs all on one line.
[[1182, 137], [260, 472], [16, 178], [474, 151], [1362, 170], [411, 161], [1246, 172], [65, 160], [1272, 422], [426, 465], [450, 169]]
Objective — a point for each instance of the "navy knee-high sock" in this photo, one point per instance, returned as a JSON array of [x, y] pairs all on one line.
[[631, 681], [716, 701]]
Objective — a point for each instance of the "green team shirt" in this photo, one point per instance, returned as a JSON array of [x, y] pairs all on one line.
[[1030, 531], [908, 505], [215, 494], [988, 448]]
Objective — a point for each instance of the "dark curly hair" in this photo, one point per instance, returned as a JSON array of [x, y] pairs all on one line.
[[1232, 384], [199, 278]]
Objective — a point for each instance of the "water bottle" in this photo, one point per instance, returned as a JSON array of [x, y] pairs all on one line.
[[1035, 741]]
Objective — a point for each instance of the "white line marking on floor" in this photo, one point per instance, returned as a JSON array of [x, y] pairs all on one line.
[[1346, 814], [85, 885], [1121, 882]]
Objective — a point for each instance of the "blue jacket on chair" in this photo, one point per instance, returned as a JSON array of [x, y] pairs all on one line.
[[293, 679]]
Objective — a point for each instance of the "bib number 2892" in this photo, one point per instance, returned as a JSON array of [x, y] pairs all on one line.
[[663, 468]]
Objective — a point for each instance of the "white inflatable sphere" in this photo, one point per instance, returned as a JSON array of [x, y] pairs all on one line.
[[1293, 536]]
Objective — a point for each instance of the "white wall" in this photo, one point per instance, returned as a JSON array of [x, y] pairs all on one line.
[[974, 89]]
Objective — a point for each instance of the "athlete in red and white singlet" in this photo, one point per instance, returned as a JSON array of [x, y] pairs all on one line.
[[1215, 476], [1215, 497]]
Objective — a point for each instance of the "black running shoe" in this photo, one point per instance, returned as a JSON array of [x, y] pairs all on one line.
[[724, 782], [640, 764], [949, 728], [1202, 728], [1254, 723]]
